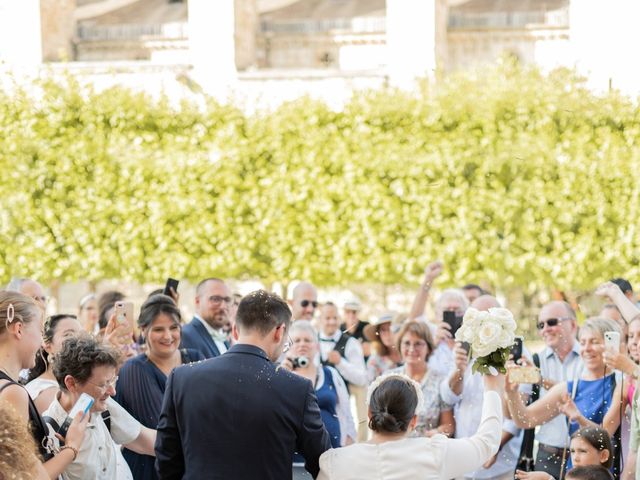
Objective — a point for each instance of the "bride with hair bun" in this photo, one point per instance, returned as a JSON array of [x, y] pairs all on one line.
[[393, 454]]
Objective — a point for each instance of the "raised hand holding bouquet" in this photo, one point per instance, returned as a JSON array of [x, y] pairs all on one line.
[[491, 335]]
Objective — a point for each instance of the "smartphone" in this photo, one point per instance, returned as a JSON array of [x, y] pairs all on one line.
[[612, 341], [124, 314], [84, 404], [466, 346], [452, 320], [516, 349], [171, 283], [528, 374]]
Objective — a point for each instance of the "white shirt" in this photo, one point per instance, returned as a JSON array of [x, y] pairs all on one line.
[[99, 457], [554, 432], [468, 412], [38, 385], [222, 348], [432, 458], [351, 366]]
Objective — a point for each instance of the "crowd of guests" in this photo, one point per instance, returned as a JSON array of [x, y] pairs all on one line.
[[419, 407]]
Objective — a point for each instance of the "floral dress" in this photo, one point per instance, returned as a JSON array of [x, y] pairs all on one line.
[[429, 417], [377, 365]]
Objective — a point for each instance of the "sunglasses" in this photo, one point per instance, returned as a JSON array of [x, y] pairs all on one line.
[[551, 322], [306, 303]]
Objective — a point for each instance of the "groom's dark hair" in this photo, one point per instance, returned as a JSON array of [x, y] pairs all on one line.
[[262, 311]]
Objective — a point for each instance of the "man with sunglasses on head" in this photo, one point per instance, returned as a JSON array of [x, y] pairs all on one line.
[[304, 301], [559, 362], [205, 332]]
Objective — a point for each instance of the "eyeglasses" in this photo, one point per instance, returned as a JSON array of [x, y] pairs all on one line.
[[415, 346], [106, 386], [551, 322], [306, 303], [287, 345], [219, 299], [43, 300]]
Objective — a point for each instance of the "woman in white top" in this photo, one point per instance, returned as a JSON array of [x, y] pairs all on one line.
[[42, 385], [392, 454]]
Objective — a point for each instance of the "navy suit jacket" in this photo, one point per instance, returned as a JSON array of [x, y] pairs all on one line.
[[195, 335], [238, 417]]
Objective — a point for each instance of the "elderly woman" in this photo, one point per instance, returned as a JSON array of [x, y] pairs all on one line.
[[385, 354], [585, 400], [416, 345], [333, 397], [142, 379], [395, 403]]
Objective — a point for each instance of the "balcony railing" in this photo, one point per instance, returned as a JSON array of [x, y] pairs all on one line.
[[177, 30], [556, 18], [350, 25]]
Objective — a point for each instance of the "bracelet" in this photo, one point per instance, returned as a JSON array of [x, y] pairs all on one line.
[[73, 449], [427, 286]]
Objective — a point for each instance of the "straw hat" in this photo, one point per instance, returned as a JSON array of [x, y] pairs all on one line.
[[371, 330]]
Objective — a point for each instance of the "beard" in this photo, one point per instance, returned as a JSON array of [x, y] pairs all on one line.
[[217, 320]]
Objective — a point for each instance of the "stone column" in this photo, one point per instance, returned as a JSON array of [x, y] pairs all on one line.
[[603, 38], [58, 28], [212, 44], [20, 35], [416, 39], [246, 25]]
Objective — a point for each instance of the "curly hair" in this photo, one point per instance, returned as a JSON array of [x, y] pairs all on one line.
[[18, 454], [78, 357]]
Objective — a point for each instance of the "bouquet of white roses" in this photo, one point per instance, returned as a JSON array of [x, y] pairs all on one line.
[[491, 335]]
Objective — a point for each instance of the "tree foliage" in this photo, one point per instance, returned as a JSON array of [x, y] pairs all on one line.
[[507, 174]]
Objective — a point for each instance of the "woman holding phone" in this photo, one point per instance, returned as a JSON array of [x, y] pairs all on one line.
[[142, 379], [21, 324]]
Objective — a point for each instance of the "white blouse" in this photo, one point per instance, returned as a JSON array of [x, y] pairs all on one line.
[[436, 458], [38, 385]]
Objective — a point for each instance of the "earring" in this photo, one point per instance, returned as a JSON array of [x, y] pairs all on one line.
[[11, 313]]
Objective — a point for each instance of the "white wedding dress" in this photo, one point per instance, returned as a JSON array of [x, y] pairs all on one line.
[[434, 458]]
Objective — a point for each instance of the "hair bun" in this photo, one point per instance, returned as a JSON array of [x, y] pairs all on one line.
[[386, 422]]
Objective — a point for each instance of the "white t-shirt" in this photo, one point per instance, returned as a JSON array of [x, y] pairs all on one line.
[[99, 457], [38, 385]]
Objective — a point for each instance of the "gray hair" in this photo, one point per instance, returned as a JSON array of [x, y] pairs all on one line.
[[15, 284], [599, 325], [454, 293], [303, 326]]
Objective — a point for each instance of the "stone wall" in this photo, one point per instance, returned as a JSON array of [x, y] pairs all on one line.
[[58, 29]]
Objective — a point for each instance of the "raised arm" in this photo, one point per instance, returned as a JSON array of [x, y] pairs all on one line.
[[468, 454], [433, 270], [612, 291]]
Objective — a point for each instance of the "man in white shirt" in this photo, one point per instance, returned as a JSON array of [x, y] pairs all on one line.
[[86, 366], [344, 355], [205, 332], [559, 362], [464, 390]]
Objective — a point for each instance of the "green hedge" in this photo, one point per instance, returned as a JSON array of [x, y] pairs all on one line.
[[509, 175]]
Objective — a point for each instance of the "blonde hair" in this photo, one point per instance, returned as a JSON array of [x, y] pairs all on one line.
[[18, 454], [16, 307]]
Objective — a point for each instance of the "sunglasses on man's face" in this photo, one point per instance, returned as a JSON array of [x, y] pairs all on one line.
[[306, 303], [551, 322]]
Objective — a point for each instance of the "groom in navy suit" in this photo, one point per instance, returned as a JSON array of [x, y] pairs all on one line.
[[239, 416], [205, 332]]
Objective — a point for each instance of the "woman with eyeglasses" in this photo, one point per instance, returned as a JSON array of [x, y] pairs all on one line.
[[416, 345], [585, 400], [85, 366], [21, 323], [142, 379], [393, 453], [41, 384]]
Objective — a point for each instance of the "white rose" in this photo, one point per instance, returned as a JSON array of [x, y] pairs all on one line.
[[505, 316]]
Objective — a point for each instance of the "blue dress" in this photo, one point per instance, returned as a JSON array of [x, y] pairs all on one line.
[[327, 401], [593, 399], [139, 391]]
